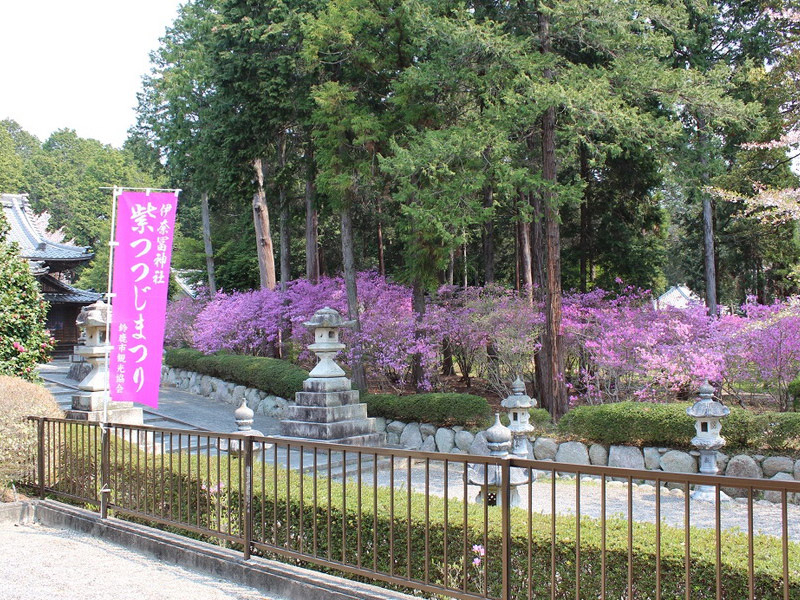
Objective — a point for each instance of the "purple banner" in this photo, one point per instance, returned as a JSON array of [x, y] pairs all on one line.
[[145, 224]]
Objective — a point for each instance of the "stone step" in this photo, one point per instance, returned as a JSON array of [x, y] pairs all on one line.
[[327, 431], [328, 384], [327, 398], [326, 414], [372, 440]]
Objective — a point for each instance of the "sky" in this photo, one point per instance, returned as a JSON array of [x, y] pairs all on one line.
[[77, 64]]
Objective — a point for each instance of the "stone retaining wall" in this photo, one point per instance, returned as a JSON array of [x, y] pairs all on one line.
[[426, 437], [224, 391], [457, 440]]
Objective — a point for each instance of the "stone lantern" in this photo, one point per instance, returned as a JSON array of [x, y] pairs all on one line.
[[328, 408], [90, 404], [490, 477], [519, 405], [708, 414]]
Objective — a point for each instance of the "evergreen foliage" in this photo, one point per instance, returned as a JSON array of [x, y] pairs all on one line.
[[24, 341]]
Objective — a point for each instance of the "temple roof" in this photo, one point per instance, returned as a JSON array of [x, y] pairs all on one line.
[[33, 244], [56, 291]]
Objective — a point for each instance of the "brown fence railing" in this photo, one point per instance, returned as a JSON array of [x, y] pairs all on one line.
[[410, 519]]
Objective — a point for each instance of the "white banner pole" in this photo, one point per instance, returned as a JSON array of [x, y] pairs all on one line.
[[112, 243]]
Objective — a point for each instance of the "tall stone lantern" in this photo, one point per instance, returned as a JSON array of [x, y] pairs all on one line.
[[708, 414], [90, 403], [519, 405], [328, 408]]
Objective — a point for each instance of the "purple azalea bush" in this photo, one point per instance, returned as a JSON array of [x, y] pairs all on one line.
[[619, 346]]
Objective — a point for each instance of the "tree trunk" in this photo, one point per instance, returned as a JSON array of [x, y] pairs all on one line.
[[284, 232], [447, 357], [381, 264], [488, 237], [464, 256], [266, 257], [418, 306], [349, 264], [586, 224], [451, 267], [552, 341], [526, 257], [312, 225], [212, 280], [709, 261], [708, 255]]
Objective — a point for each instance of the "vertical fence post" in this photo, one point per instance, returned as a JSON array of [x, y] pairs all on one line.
[[105, 469], [506, 526], [40, 456], [248, 496]]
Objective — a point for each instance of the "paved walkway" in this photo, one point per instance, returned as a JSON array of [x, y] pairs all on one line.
[[176, 408], [39, 562]]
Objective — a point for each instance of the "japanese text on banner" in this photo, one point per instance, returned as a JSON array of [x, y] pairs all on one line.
[[144, 232]]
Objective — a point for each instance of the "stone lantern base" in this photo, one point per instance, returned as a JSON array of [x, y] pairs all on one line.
[[88, 406], [328, 410]]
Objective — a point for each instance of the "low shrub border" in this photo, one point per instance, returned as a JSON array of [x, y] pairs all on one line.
[[440, 409], [646, 424], [271, 375]]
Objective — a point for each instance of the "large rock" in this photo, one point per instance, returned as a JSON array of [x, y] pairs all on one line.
[[238, 393], [445, 439], [797, 470], [598, 455], [777, 464], [411, 438], [652, 459], [722, 461], [741, 466], [396, 427], [380, 424], [545, 448], [478, 445], [775, 495], [626, 457], [429, 445], [464, 440], [573, 453], [426, 429], [676, 461], [393, 439], [205, 386]]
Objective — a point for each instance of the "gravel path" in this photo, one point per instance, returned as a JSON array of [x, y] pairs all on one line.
[[39, 562]]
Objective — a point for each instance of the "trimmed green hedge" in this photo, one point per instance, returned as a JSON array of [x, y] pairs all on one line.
[[649, 424], [271, 375], [440, 409]]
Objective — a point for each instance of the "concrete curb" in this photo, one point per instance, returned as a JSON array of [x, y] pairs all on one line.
[[271, 577]]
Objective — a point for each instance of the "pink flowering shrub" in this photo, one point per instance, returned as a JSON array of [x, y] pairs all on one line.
[[765, 347], [619, 347], [181, 315], [625, 348]]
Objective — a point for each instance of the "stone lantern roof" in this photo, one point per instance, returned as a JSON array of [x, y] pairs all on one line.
[[327, 317], [518, 397], [707, 407]]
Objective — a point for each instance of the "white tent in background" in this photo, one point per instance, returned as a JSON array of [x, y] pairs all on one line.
[[678, 296]]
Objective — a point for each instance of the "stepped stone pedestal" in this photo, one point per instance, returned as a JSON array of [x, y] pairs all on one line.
[[328, 409]]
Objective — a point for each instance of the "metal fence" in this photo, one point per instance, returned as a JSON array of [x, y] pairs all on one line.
[[410, 519]]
